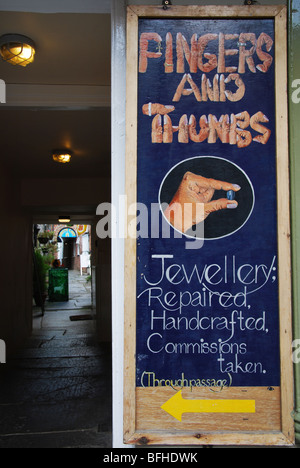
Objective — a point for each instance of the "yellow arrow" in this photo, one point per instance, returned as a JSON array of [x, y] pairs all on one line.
[[177, 405]]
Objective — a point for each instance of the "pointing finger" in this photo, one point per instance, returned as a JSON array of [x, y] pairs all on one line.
[[211, 183], [221, 185]]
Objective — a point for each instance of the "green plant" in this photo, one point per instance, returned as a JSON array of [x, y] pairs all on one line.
[[46, 234], [40, 270], [49, 254]]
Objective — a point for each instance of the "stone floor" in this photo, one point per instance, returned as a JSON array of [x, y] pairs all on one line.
[[56, 391]]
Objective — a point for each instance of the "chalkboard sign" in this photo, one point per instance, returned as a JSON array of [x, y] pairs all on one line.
[[207, 317]]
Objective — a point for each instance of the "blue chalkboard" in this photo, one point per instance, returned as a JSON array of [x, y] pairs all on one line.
[[207, 315]]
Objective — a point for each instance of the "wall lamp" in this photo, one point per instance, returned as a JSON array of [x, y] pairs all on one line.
[[62, 156], [17, 49], [64, 220]]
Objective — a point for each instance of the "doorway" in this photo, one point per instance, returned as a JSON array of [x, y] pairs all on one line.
[[69, 252]]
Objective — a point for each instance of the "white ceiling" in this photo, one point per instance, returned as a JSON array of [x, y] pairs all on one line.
[[57, 6], [71, 48], [62, 99]]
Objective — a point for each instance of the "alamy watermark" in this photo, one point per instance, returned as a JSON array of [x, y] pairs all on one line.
[[2, 92], [296, 92], [136, 220], [2, 352], [296, 351]]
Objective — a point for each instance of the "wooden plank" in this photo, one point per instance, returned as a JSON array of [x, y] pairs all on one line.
[[130, 243], [202, 11], [283, 200], [198, 438]]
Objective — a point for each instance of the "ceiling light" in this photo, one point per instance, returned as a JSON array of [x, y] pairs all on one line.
[[64, 220], [17, 49], [62, 156]]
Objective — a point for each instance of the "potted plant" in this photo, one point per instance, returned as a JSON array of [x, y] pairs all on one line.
[[45, 237]]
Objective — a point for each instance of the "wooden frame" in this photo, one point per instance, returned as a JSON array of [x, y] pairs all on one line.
[[284, 436]]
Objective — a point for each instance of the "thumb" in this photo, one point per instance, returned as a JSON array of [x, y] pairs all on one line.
[[221, 204]]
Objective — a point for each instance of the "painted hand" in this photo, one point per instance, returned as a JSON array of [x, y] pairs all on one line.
[[192, 203]]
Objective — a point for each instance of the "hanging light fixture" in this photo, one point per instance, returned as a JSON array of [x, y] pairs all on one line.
[[62, 156], [64, 219], [17, 49]]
